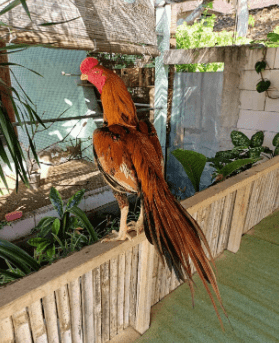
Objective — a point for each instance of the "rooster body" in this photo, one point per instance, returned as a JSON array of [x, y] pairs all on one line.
[[129, 155]]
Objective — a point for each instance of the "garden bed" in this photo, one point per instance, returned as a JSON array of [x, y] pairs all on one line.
[[103, 290], [67, 178]]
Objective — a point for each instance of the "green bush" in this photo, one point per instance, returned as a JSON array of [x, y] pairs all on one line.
[[200, 35]]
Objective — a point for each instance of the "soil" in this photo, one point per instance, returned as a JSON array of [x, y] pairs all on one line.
[[67, 178], [266, 19]]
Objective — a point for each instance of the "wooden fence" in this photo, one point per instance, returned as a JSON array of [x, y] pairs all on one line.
[[107, 289]]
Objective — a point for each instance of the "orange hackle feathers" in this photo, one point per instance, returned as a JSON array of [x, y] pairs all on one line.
[[117, 102], [129, 155]]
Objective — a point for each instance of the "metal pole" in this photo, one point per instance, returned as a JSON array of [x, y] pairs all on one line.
[[95, 115]]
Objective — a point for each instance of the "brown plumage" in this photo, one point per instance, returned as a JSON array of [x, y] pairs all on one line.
[[129, 155]]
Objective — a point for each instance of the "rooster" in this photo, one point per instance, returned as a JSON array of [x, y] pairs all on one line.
[[129, 155]]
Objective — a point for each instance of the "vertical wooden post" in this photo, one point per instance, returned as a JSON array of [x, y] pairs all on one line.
[[238, 219], [144, 291]]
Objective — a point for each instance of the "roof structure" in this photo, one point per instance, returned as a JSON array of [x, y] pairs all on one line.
[[121, 26]]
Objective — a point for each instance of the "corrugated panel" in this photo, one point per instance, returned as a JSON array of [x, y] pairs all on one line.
[[249, 285], [195, 125]]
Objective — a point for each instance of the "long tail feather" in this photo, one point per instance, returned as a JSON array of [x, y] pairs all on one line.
[[177, 237]]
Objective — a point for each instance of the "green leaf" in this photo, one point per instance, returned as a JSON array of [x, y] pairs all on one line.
[[17, 256], [44, 226], [255, 152], [83, 218], [11, 5], [235, 165], [193, 164], [259, 66], [75, 199], [239, 139], [51, 251], [257, 139], [266, 150], [37, 241], [58, 240], [275, 140], [23, 2], [41, 247], [58, 22], [262, 86], [19, 65], [56, 226], [276, 151], [9, 274], [273, 37], [56, 201]]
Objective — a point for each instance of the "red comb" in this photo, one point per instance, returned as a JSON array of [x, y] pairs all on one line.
[[88, 64]]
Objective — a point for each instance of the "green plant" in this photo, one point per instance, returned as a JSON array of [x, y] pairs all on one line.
[[59, 236], [272, 40], [251, 21], [18, 261], [200, 35], [193, 164], [226, 163]]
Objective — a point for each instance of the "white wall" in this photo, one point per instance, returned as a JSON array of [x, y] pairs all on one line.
[[256, 110]]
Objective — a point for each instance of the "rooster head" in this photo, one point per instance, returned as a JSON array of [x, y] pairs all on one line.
[[93, 72]]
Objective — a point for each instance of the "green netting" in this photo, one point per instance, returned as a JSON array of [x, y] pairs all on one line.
[[55, 93]]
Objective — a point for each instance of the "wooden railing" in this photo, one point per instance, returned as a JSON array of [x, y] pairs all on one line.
[[98, 293]]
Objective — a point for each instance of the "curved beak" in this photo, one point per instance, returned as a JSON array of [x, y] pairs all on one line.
[[83, 77]]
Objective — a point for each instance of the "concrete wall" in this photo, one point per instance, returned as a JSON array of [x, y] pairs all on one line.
[[256, 110], [243, 108]]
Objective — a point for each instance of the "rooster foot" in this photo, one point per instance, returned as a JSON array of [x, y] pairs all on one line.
[[117, 236], [135, 226]]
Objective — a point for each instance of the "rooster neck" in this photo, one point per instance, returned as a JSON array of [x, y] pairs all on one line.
[[117, 103]]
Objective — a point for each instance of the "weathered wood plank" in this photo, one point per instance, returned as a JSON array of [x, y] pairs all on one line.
[[264, 196], [133, 284], [76, 312], [214, 224], [21, 327], [113, 292], [37, 285], [144, 287], [97, 295], [260, 202], [226, 222], [121, 292], [7, 330], [87, 307], [63, 308], [208, 196], [255, 190], [50, 313], [238, 219], [37, 322], [274, 192], [105, 301], [154, 278], [128, 265]]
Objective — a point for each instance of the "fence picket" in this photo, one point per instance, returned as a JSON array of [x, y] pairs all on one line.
[[37, 322], [76, 313], [51, 318]]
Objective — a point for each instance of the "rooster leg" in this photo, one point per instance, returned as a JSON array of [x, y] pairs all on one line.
[[122, 235], [138, 226]]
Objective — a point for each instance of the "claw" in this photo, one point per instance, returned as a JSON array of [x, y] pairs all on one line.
[[117, 236], [135, 226]]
